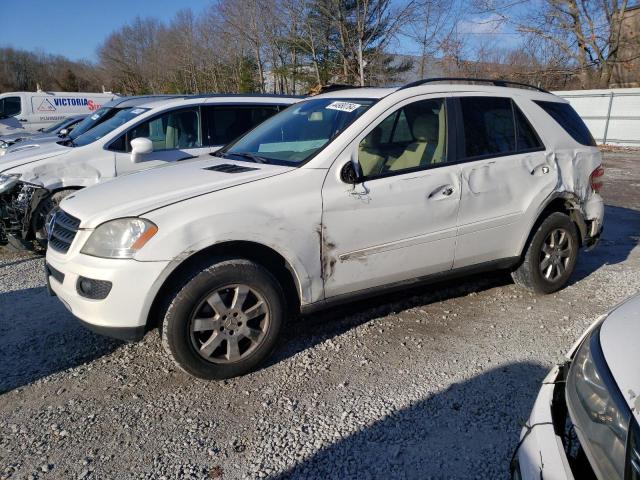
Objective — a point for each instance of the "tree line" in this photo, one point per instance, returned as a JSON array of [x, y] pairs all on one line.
[[297, 46]]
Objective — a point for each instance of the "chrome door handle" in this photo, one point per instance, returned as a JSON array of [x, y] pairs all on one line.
[[545, 169], [447, 191]]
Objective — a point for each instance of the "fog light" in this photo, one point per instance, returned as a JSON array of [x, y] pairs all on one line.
[[93, 289]]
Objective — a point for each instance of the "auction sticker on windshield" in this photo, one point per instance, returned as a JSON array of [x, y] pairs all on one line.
[[343, 106]]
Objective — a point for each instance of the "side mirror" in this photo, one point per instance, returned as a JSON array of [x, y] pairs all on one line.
[[140, 147], [350, 174], [64, 132]]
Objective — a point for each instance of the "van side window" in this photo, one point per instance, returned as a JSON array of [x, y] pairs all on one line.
[[172, 130], [226, 123], [10, 107], [412, 138], [495, 126]]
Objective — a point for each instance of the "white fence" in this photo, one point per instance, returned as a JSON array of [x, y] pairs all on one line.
[[613, 116]]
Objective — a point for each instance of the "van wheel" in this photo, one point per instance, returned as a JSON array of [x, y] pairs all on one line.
[[43, 214], [225, 321], [550, 257]]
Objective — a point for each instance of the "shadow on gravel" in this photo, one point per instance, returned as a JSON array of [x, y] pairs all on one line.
[[307, 331], [620, 236], [452, 434], [38, 337]]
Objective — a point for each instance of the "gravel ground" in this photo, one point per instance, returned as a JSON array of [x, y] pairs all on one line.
[[432, 383]]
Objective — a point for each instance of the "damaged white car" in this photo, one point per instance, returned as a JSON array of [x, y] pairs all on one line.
[[585, 422], [341, 196], [138, 133]]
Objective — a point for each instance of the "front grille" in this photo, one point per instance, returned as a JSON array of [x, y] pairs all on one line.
[[63, 231]]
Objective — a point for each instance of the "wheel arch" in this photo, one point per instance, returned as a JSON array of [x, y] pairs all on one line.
[[566, 203], [259, 253]]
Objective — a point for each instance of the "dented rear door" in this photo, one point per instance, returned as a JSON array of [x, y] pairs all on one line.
[[504, 178]]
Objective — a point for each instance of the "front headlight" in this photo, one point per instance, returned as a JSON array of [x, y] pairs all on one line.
[[120, 238], [8, 180], [599, 412]]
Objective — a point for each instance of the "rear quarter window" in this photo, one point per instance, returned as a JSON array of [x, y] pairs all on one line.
[[569, 120]]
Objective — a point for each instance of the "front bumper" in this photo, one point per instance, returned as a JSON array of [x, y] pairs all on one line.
[[123, 313], [541, 452]]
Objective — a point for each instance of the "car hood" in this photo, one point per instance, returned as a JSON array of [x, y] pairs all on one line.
[[138, 193], [619, 338], [19, 157]]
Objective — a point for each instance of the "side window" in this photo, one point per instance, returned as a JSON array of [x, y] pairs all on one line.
[[411, 138], [526, 137], [10, 107], [495, 126], [172, 130], [488, 126], [226, 123], [569, 120]]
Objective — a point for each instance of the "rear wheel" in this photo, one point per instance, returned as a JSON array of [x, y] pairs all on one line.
[[550, 257], [225, 321]]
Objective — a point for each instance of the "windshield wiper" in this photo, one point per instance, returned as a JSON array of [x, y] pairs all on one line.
[[251, 156]]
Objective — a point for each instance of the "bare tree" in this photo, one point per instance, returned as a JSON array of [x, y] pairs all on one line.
[[587, 33]]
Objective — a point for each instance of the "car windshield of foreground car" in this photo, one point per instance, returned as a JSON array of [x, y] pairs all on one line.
[[99, 131], [92, 120], [298, 133]]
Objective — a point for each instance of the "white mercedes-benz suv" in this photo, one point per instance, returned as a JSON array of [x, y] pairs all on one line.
[[343, 195]]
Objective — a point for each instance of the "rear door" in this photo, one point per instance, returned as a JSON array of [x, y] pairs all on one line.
[[224, 123], [176, 135], [505, 174]]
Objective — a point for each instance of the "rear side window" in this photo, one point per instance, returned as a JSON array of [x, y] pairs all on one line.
[[568, 119], [226, 123], [495, 126]]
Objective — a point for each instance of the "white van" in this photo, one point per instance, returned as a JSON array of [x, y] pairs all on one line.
[[31, 111], [137, 134]]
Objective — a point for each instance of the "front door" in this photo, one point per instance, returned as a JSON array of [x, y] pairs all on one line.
[[399, 222], [176, 135]]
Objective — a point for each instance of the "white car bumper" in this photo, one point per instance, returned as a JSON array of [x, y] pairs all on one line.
[[129, 285], [541, 454]]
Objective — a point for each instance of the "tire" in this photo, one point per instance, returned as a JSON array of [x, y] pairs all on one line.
[[43, 212], [550, 256], [225, 320]]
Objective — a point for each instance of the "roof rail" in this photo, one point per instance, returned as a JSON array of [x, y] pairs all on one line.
[[496, 82]]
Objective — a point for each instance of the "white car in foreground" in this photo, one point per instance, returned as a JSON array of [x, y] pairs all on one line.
[[340, 196], [585, 421]]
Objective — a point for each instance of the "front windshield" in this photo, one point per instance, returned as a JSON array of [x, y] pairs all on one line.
[[298, 133], [92, 120], [121, 117], [57, 127]]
